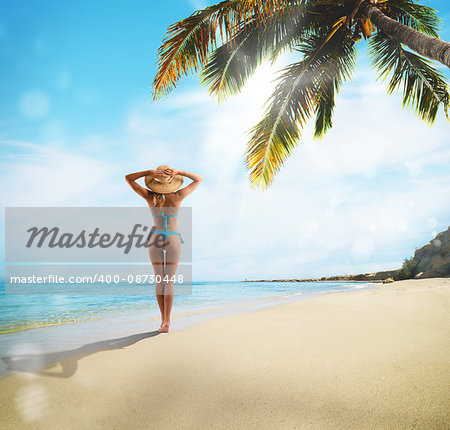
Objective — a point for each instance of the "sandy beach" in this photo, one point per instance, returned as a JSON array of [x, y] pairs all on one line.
[[368, 359]]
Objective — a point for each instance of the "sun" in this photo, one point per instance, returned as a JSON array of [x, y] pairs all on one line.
[[260, 86]]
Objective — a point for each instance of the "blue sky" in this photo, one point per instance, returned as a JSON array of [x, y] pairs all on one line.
[[76, 116]]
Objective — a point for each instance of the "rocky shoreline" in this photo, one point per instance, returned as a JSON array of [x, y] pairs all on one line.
[[429, 261], [363, 277]]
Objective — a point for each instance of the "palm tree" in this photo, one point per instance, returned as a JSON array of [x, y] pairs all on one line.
[[227, 41]]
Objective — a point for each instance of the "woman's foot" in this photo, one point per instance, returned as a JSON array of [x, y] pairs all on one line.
[[164, 327]]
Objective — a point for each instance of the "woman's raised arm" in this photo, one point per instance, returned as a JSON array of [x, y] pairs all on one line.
[[143, 192], [196, 179]]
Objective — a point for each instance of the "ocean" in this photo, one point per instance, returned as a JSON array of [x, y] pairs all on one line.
[[34, 325], [24, 312]]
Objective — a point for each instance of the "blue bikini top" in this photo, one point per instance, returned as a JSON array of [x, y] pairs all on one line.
[[163, 215]]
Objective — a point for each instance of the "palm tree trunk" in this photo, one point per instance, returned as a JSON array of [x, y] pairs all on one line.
[[431, 47]]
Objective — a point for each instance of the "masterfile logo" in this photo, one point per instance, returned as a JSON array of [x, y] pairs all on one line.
[[53, 237], [88, 234], [90, 251]]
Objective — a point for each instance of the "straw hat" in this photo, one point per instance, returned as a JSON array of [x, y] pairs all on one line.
[[163, 185]]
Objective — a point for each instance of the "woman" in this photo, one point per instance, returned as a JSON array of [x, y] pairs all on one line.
[[164, 198]]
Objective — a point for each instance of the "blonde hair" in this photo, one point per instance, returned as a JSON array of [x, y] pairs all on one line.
[[159, 199]]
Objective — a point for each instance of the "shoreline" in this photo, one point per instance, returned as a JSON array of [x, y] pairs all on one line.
[[43, 344], [370, 358], [8, 328], [361, 277], [375, 281]]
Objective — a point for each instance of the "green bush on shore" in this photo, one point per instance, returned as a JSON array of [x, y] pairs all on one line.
[[407, 270]]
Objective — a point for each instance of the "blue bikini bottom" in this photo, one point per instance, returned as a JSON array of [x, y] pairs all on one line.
[[166, 232]]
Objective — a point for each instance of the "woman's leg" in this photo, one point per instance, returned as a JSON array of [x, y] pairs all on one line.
[[173, 250], [156, 257]]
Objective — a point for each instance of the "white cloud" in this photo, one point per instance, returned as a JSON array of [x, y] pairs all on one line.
[[37, 175]]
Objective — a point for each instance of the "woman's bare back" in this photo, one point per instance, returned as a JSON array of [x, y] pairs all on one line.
[[171, 207]]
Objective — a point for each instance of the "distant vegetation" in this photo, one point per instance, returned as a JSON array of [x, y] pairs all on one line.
[[430, 261], [407, 270]]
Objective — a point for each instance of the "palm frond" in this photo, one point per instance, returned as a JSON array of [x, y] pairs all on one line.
[[318, 18], [324, 110], [296, 29], [424, 88], [300, 88], [234, 62], [421, 18], [339, 68], [188, 43]]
